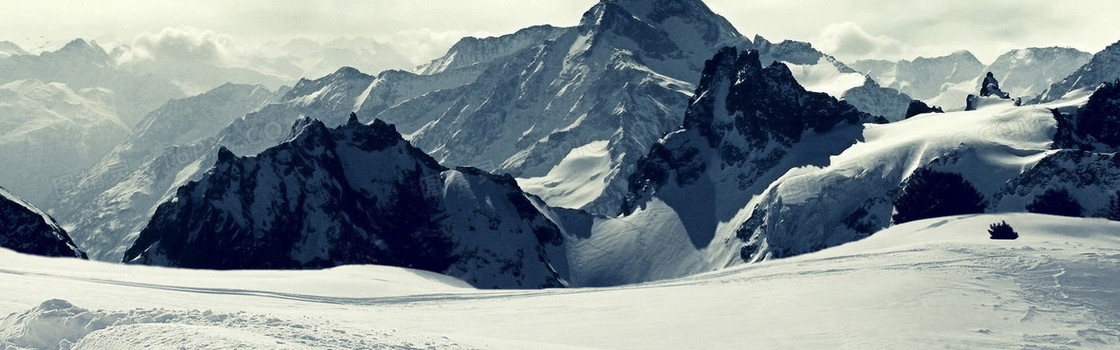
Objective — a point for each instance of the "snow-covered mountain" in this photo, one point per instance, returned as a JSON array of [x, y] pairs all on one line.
[[568, 115], [50, 133], [941, 81], [114, 198], [1084, 163], [1028, 72], [8, 49], [608, 89], [1103, 67], [745, 127], [995, 149], [888, 103], [25, 229], [784, 193], [355, 194], [81, 65]]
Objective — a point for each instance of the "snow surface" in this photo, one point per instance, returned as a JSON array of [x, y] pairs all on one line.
[[926, 284], [579, 179]]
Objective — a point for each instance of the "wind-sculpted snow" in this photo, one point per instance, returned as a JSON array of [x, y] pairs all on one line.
[[356, 194], [58, 324], [25, 229]]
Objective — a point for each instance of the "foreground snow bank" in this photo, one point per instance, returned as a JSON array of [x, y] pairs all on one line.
[[926, 284]]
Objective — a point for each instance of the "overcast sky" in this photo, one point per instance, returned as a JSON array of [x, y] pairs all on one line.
[[849, 29]]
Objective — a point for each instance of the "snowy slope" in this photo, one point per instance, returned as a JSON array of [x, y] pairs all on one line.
[[50, 133], [1028, 72], [177, 133], [938, 283], [851, 196], [25, 229], [352, 195], [1103, 67], [81, 65]]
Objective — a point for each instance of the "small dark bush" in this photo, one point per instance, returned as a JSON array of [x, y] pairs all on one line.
[[1055, 202], [1002, 231]]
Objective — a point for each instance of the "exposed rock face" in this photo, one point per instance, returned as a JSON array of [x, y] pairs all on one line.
[[741, 127], [990, 87], [27, 230], [1094, 126], [356, 194]]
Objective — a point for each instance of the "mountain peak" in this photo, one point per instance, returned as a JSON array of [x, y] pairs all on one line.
[[85, 48]]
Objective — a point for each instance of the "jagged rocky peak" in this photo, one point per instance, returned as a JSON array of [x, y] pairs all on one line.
[[746, 118], [671, 36], [760, 103], [85, 50], [354, 194], [25, 229]]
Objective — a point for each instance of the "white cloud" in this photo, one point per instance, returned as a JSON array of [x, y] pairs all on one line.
[[180, 44], [849, 41]]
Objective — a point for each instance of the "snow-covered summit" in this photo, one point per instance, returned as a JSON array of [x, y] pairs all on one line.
[[25, 229], [1028, 72]]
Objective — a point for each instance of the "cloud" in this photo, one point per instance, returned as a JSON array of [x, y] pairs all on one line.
[[180, 44], [849, 41]]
